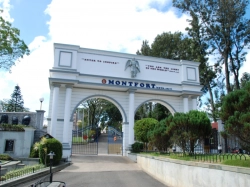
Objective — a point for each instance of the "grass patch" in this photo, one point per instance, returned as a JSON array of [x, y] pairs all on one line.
[[240, 163], [78, 139], [225, 159]]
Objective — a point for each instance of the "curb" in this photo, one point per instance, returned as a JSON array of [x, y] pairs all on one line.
[[34, 176]]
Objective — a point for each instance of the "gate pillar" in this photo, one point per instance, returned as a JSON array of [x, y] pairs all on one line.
[[125, 145], [185, 103], [194, 102], [131, 115], [54, 109], [66, 125]]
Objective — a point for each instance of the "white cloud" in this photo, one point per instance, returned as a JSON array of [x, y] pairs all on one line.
[[31, 74], [109, 25], [6, 8], [115, 25], [246, 65]]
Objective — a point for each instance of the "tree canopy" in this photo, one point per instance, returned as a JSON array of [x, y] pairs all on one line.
[[16, 103], [188, 129], [226, 30], [168, 45], [158, 136], [235, 113], [142, 127], [11, 46], [152, 110], [98, 110]]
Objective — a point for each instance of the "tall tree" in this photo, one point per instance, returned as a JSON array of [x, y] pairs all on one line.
[[235, 112], [152, 110], [200, 52], [195, 47], [94, 110], [225, 28], [11, 46], [4, 105], [168, 45], [98, 110], [143, 127], [160, 112], [158, 136], [16, 103], [112, 115], [145, 49], [188, 128], [244, 79]]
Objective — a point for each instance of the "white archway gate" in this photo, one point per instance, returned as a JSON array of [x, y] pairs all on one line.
[[126, 80]]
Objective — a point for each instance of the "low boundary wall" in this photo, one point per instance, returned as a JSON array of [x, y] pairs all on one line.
[[178, 173]]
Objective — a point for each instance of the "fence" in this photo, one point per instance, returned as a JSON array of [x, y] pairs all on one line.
[[19, 173], [207, 157], [219, 157]]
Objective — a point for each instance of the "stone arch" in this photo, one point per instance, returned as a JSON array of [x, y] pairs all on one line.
[[164, 103], [79, 74], [110, 99]]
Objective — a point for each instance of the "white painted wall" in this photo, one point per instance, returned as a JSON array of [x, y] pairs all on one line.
[[22, 142], [178, 173]]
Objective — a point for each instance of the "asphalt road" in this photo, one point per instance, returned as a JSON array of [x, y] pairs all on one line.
[[105, 171]]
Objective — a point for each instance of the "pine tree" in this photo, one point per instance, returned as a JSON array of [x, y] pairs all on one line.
[[15, 104]]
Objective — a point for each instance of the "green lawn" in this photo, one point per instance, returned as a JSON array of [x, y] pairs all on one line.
[[240, 160], [79, 140]]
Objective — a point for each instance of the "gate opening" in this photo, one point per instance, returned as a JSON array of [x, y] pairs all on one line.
[[92, 131]]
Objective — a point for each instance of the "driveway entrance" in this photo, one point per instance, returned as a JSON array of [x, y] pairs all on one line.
[[105, 171], [83, 143]]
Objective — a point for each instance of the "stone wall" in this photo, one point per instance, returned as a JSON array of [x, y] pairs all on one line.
[[36, 118], [179, 173], [21, 142]]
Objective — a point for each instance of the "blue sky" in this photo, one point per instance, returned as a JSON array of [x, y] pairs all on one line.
[[83, 23], [30, 18]]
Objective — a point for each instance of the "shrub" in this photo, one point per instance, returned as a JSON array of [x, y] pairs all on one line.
[[5, 157], [8, 127], [48, 145], [136, 147], [34, 151]]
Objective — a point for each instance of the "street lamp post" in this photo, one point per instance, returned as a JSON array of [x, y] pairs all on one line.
[[51, 154], [41, 100]]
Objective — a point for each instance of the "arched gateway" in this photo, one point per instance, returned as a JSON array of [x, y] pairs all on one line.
[[126, 80]]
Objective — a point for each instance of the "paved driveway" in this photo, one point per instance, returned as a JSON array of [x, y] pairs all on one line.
[[105, 171]]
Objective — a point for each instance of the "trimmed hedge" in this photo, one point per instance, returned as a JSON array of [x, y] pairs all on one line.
[[136, 147], [48, 145]]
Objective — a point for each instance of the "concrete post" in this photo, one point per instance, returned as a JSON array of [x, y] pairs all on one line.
[[131, 116], [54, 110], [66, 125], [185, 104], [39, 119]]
